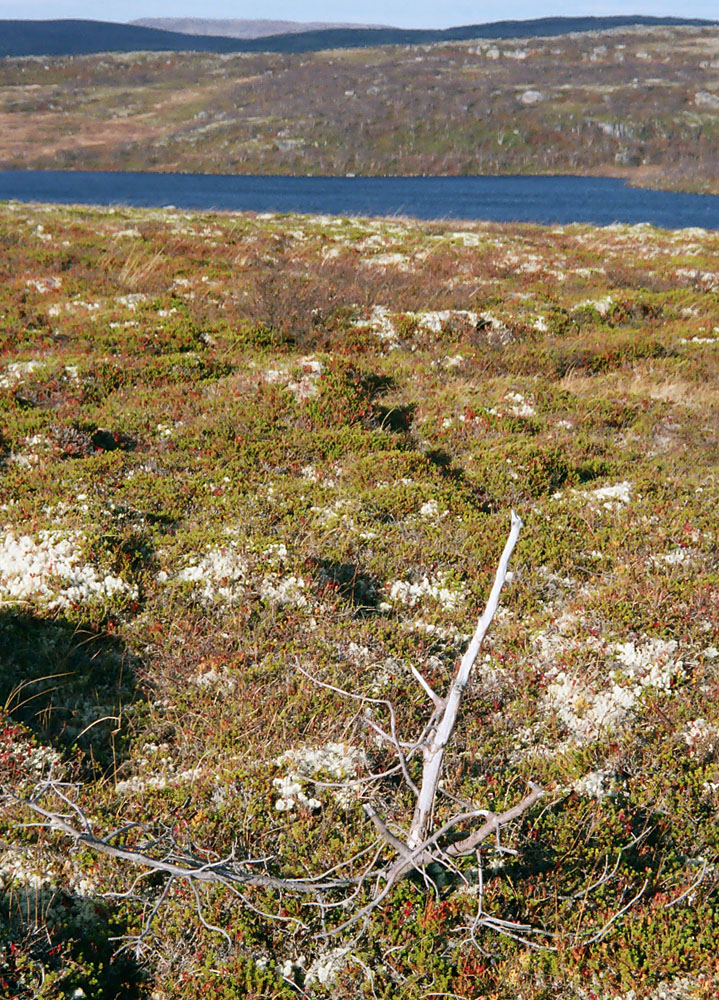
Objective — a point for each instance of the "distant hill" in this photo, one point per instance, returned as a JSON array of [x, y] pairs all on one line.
[[80, 37], [240, 27]]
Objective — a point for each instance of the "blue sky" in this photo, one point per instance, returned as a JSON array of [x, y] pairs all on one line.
[[419, 14]]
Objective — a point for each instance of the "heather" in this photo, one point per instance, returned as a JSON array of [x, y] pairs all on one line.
[[240, 450]]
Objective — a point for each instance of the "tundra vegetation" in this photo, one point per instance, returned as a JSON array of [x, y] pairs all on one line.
[[641, 103], [249, 460]]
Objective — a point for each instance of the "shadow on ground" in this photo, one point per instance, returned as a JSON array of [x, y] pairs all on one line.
[[54, 943], [73, 687]]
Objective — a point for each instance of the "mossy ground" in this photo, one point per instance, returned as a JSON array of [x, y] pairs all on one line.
[[249, 465]]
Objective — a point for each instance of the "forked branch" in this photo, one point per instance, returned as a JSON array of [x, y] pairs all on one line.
[[55, 808]]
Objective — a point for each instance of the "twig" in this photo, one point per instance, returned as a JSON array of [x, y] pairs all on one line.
[[599, 936], [687, 892]]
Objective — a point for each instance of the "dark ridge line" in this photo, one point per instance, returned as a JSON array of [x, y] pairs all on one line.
[[71, 37]]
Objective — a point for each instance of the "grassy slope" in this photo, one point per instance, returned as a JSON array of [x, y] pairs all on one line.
[[211, 410], [622, 102]]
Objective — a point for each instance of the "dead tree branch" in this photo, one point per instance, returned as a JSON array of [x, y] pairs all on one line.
[[423, 845]]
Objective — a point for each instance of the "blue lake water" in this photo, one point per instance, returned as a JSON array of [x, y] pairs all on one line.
[[557, 199]]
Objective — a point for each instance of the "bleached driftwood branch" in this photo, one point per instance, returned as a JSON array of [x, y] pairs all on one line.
[[56, 810], [422, 847], [434, 747]]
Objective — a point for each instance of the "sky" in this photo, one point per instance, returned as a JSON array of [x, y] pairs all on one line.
[[418, 14]]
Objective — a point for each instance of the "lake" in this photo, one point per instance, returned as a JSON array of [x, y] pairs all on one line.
[[557, 199]]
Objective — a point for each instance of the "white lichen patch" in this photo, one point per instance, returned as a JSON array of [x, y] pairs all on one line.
[[292, 967], [220, 575], [275, 553], [450, 635], [399, 260], [652, 664], [326, 967], [301, 381], [50, 569], [225, 573], [336, 515], [336, 763], [140, 783], [74, 307], [24, 868], [130, 301], [587, 709], [16, 371], [430, 511], [291, 794], [435, 588], [701, 738], [680, 988], [33, 450], [25, 760], [434, 321], [327, 479], [218, 681], [700, 340], [167, 430], [707, 279], [602, 306], [519, 406], [45, 284], [39, 231], [595, 784], [156, 769], [33, 883], [381, 322], [676, 557], [613, 497], [285, 590], [452, 361], [384, 324]]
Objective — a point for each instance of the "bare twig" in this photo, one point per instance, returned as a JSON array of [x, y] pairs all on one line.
[[227, 871], [687, 892], [602, 933]]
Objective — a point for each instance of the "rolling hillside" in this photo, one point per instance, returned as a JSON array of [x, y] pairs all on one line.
[[81, 37], [639, 102]]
